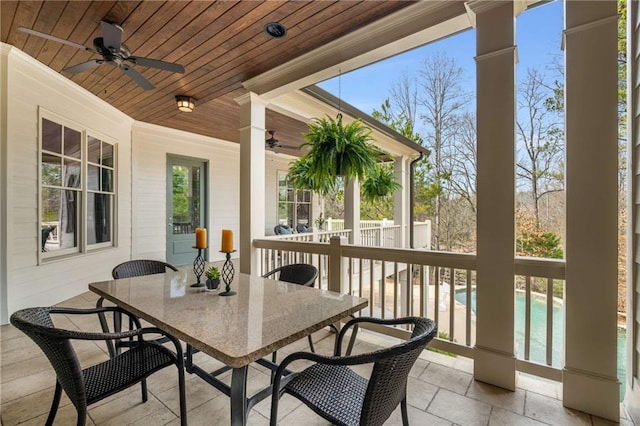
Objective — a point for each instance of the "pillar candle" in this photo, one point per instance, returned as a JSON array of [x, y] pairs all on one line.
[[227, 241], [201, 238]]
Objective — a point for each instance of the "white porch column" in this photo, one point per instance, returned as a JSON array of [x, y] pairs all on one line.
[[401, 199], [632, 395], [589, 375], [352, 210], [494, 360], [252, 170]]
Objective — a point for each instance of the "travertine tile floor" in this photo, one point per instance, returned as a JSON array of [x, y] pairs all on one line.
[[441, 391]]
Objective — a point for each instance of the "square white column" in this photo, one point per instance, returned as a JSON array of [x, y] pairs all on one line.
[[252, 175], [494, 360], [591, 135]]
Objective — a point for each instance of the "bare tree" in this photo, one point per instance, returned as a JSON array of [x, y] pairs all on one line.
[[442, 98], [540, 142], [463, 160]]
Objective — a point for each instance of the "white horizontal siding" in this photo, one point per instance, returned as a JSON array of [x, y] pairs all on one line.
[[30, 86], [142, 151]]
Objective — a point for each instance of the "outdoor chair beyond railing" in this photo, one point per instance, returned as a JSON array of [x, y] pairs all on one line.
[[130, 269], [85, 386], [296, 273], [369, 402], [282, 230]]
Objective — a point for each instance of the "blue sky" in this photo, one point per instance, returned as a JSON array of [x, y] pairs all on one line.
[[538, 33]]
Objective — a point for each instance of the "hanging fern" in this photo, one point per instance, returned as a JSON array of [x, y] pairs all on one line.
[[380, 184], [340, 152]]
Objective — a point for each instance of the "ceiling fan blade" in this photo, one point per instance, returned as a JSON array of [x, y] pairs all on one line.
[[112, 36], [85, 66], [54, 38], [155, 63], [137, 77]]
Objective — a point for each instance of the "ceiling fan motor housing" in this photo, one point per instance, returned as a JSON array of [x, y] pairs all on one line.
[[109, 55]]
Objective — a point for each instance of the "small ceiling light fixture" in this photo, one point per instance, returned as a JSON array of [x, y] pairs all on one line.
[[185, 103], [275, 30]]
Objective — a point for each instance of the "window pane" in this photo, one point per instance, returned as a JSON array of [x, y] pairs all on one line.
[[60, 212], [51, 136], [186, 199], [302, 214], [107, 154], [306, 196], [290, 195], [107, 180], [51, 169], [93, 178], [93, 150], [99, 218], [71, 174], [71, 143]]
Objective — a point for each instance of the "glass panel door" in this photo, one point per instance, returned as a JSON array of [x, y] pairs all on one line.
[[185, 207]]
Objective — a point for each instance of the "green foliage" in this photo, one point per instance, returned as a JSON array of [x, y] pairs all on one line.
[[539, 244], [400, 124], [380, 184], [213, 273], [444, 336], [301, 176], [180, 194], [339, 149], [339, 152]]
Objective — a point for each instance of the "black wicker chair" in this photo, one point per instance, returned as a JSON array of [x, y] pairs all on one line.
[[137, 268], [85, 386], [296, 273], [341, 396], [130, 269]]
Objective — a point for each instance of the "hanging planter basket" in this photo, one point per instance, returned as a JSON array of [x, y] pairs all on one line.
[[336, 150]]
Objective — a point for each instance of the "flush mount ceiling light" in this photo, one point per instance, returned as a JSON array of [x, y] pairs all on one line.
[[185, 103], [275, 30]]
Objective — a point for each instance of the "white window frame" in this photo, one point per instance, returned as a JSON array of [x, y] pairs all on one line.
[[83, 247]]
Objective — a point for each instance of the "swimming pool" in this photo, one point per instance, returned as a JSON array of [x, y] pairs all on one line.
[[537, 350]]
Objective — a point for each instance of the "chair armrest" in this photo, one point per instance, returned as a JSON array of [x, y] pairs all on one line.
[[370, 320], [83, 335]]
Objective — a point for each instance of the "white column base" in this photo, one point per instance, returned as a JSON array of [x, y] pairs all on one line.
[[592, 394], [495, 368], [632, 400]]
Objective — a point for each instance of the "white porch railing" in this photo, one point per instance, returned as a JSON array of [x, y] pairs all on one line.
[[401, 282], [373, 233]]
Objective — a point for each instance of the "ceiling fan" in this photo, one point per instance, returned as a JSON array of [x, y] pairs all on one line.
[[113, 52], [274, 144]]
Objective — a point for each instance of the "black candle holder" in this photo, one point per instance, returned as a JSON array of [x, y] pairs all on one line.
[[198, 268], [227, 274]]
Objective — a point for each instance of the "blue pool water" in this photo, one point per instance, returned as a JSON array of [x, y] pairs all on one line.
[[537, 351]]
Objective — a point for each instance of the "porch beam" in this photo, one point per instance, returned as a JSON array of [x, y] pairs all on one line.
[[494, 360], [252, 175], [589, 375]]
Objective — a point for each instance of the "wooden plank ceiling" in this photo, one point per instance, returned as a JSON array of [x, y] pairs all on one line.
[[220, 44]]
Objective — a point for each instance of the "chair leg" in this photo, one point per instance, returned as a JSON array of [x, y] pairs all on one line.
[[311, 344], [145, 395], [352, 340], [54, 405], [274, 358], [405, 415], [82, 417]]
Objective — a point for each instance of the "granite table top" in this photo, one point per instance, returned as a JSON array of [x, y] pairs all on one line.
[[263, 317]]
